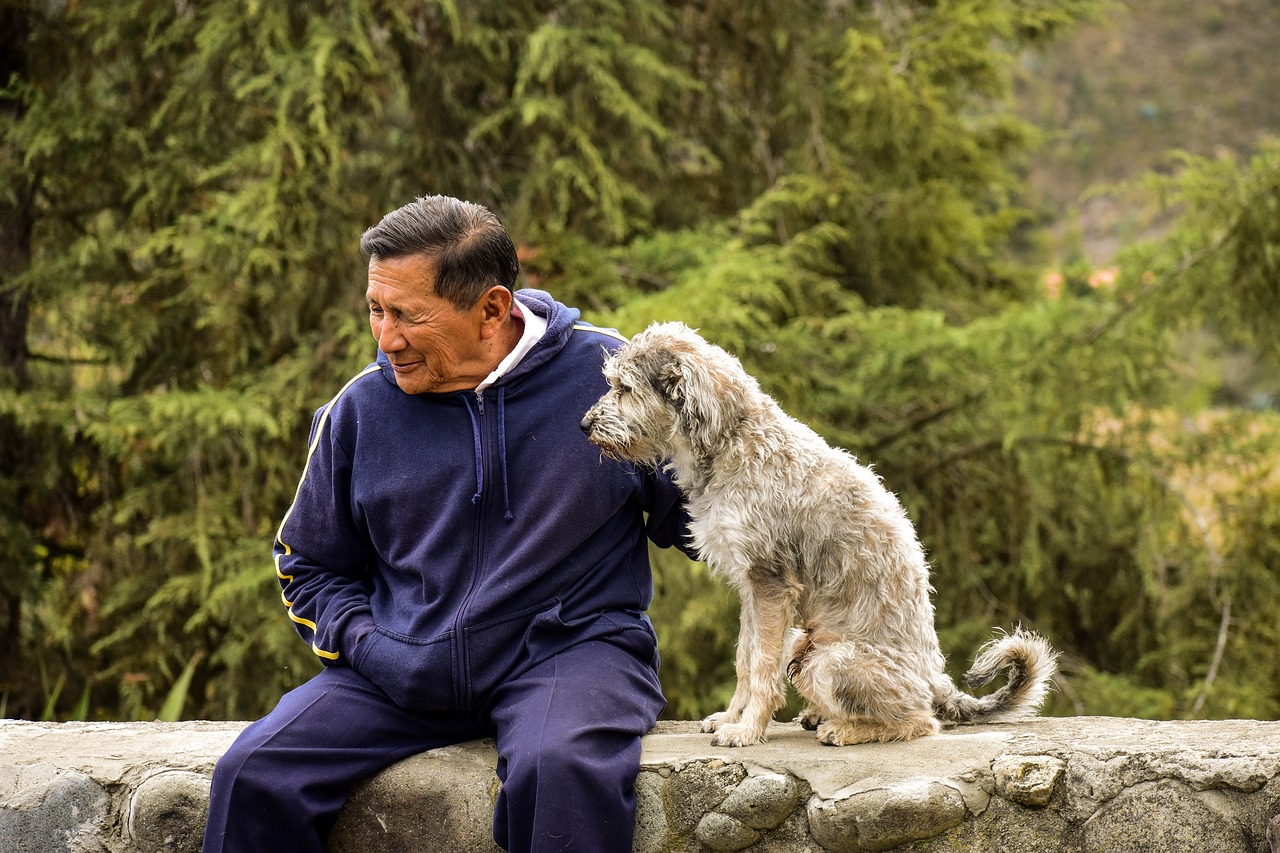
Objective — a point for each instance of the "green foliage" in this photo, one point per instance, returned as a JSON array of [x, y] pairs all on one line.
[[1222, 258], [171, 710], [831, 191], [586, 105]]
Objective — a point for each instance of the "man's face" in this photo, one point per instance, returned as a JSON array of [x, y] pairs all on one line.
[[432, 345]]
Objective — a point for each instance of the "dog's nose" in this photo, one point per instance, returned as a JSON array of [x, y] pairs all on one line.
[[586, 423]]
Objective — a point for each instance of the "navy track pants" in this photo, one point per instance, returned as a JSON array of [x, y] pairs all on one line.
[[567, 733]]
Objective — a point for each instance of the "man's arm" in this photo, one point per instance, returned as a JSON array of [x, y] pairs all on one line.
[[321, 559], [667, 524]]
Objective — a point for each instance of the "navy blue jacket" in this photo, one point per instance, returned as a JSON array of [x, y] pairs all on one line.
[[439, 543]]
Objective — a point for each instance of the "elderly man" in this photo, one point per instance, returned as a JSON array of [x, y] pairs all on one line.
[[462, 560]]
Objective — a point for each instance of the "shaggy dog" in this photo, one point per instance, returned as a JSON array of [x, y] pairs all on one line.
[[805, 534]]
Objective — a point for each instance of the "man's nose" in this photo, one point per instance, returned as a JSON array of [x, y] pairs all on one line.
[[387, 333]]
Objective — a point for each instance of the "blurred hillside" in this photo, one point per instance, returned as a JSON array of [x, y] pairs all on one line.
[[1151, 77]]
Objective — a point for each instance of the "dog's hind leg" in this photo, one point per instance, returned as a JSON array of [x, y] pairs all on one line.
[[761, 681], [798, 647], [859, 694]]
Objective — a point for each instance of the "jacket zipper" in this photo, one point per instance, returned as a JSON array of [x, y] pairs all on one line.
[[462, 679]]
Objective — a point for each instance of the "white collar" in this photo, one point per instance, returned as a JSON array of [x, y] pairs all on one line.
[[534, 328]]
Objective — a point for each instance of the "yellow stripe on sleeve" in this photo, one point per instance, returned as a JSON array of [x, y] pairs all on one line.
[[315, 442]]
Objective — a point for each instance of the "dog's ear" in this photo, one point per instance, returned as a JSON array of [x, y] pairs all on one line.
[[669, 378], [706, 395]]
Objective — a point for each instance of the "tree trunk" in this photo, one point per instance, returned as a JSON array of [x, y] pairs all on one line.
[[15, 255], [15, 218]]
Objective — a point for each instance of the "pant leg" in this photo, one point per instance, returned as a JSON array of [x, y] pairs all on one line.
[[568, 736], [285, 778]]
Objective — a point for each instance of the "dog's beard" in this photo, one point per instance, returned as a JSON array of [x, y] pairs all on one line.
[[623, 445], [627, 449], [615, 452]]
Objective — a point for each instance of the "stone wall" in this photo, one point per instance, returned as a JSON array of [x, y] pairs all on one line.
[[1079, 784]]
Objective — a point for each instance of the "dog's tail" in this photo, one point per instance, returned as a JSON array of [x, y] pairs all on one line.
[[1031, 662]]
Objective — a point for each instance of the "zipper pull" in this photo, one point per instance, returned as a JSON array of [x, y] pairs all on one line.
[[480, 401]]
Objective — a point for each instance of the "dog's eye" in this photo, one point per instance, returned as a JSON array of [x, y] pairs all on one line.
[[624, 389]]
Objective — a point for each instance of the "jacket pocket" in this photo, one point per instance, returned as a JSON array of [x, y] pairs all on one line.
[[415, 674], [551, 632], [496, 648]]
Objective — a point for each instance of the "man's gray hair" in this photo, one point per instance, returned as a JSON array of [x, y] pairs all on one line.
[[467, 244]]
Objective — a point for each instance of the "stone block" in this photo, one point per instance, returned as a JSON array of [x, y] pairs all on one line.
[[439, 800], [54, 809], [167, 812], [1027, 780], [884, 818]]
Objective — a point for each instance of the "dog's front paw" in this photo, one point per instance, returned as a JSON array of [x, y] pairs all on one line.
[[716, 720], [736, 734]]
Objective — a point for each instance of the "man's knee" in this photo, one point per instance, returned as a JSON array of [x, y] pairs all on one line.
[[241, 770]]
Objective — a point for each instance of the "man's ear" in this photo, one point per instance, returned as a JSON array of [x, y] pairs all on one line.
[[494, 307]]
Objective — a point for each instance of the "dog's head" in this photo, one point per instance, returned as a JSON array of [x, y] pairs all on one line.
[[670, 391]]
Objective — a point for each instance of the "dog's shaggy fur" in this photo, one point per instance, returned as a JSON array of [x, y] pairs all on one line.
[[805, 534]]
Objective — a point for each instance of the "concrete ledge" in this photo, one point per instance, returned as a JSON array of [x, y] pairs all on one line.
[[1079, 784]]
